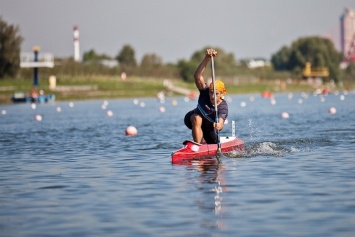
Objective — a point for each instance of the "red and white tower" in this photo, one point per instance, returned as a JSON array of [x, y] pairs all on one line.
[[76, 44]]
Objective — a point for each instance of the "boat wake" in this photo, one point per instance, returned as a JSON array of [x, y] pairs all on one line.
[[262, 149]]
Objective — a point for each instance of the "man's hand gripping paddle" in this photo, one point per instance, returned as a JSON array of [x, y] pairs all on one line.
[[219, 151]]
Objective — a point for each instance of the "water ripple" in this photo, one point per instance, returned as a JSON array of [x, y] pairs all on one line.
[[76, 173]]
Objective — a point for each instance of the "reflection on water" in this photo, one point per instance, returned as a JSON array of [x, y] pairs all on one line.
[[211, 184]]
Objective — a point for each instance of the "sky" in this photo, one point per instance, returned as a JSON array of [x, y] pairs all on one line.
[[173, 29]]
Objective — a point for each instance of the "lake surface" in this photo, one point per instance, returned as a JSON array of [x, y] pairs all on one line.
[[76, 173]]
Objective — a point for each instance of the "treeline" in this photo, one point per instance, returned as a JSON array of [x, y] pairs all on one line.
[[288, 62]]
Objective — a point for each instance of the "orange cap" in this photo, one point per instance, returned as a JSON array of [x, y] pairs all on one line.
[[219, 86]]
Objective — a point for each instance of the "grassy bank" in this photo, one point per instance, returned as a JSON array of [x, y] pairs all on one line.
[[107, 87]]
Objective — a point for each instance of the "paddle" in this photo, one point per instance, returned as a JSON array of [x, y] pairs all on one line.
[[219, 151]]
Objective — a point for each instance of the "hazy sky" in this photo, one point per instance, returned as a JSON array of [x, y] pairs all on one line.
[[173, 29]]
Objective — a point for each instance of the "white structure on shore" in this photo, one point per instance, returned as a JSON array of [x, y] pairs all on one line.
[[76, 44]]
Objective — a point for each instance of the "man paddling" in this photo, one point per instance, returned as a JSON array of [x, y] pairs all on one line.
[[201, 120]]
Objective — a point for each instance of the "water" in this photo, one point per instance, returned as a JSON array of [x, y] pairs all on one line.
[[75, 173]]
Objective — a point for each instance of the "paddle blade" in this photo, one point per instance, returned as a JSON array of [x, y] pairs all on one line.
[[219, 154]]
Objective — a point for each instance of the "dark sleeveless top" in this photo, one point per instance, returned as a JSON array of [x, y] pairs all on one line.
[[206, 109]]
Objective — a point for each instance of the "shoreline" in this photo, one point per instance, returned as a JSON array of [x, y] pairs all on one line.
[[113, 88]]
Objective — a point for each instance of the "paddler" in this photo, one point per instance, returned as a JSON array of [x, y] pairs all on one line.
[[201, 120]]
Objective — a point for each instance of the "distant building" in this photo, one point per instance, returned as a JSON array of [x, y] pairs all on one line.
[[258, 62], [109, 63], [347, 34]]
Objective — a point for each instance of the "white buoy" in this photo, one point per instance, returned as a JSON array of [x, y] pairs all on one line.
[[3, 112], [59, 109], [142, 104], [38, 117], [109, 113], [289, 96], [161, 109], [33, 106], [243, 104], [71, 104], [272, 101], [131, 131], [135, 101], [161, 97], [332, 110], [285, 115]]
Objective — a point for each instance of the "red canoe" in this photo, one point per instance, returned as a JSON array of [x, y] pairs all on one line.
[[196, 151]]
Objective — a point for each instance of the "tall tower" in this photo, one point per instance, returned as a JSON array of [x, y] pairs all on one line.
[[347, 33], [76, 44]]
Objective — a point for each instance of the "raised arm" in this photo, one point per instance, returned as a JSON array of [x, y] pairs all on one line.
[[199, 81]]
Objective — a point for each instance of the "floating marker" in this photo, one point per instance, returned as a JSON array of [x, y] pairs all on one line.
[[38, 117], [332, 110], [131, 131], [289, 96], [285, 115], [161, 109], [3, 112], [109, 113], [59, 109]]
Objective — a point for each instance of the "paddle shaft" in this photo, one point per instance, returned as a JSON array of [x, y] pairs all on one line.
[[215, 106]]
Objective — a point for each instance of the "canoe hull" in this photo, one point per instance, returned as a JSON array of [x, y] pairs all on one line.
[[193, 151]]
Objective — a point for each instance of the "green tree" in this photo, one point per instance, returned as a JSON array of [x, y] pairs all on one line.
[[350, 71], [320, 52], [187, 69], [91, 55], [10, 44], [225, 64], [126, 57], [280, 59], [151, 60]]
